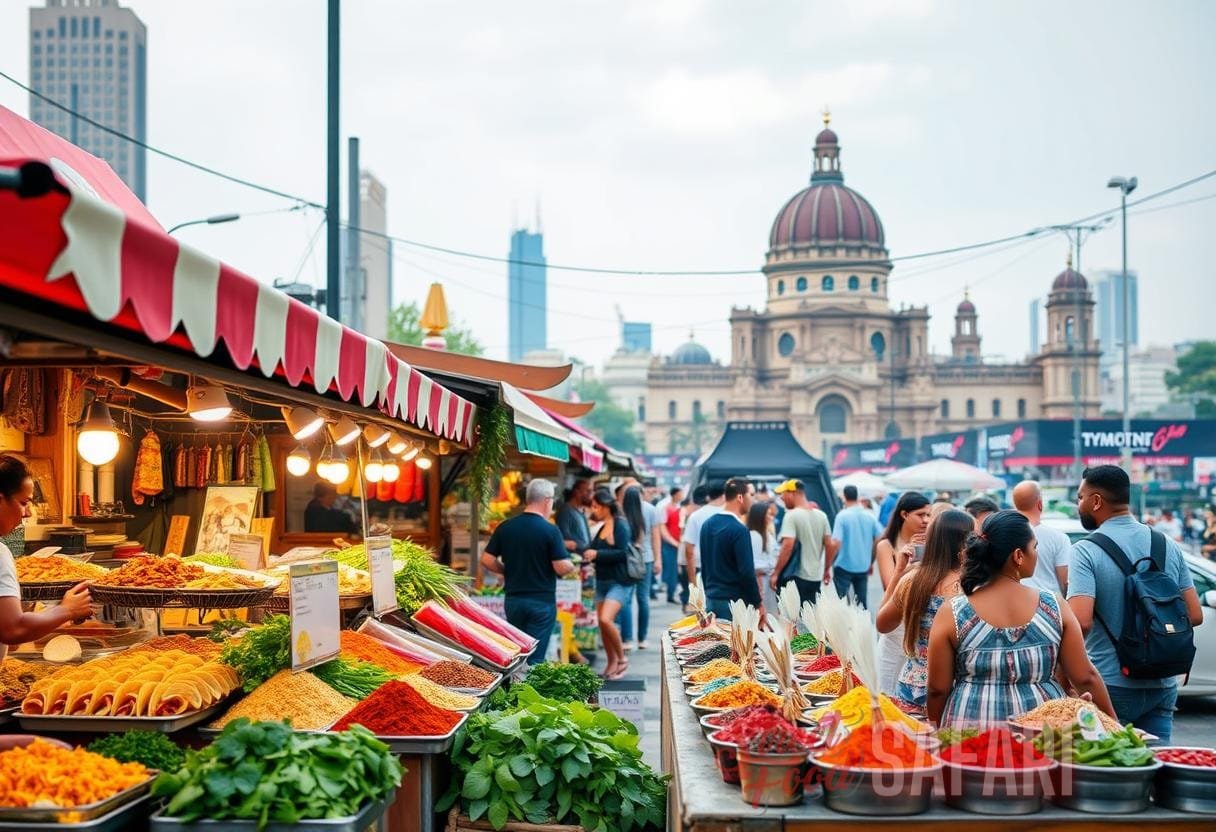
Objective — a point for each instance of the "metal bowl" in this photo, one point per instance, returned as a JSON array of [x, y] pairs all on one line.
[[771, 779], [878, 792], [702, 710], [997, 791], [726, 755], [1114, 791], [1185, 788]]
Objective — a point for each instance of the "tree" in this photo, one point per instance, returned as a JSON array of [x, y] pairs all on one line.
[[1196, 377], [693, 440], [404, 328], [608, 420]]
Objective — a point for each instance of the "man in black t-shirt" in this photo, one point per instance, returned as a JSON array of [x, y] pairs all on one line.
[[530, 553]]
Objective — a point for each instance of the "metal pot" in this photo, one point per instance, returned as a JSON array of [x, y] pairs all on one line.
[[70, 539]]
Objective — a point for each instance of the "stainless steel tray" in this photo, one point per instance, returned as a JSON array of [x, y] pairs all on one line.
[[89, 811], [486, 691], [115, 724], [366, 816], [424, 745], [478, 660], [122, 819]]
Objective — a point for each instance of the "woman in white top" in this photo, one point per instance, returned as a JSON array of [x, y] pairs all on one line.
[[764, 549], [17, 626], [904, 532]]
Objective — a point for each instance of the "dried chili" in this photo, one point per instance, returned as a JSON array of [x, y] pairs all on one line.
[[822, 664], [729, 717], [395, 709]]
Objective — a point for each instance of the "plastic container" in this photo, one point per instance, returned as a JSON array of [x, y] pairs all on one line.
[[772, 779]]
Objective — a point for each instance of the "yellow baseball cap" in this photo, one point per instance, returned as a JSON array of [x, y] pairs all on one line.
[[789, 486]]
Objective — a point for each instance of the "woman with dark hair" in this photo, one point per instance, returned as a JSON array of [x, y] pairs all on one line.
[[914, 597], [613, 586], [643, 521], [994, 651], [764, 548], [905, 531], [16, 626]]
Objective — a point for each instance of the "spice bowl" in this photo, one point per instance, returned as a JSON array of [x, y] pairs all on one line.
[[878, 792], [997, 791], [1183, 787], [1115, 791], [726, 755], [772, 779], [704, 710]]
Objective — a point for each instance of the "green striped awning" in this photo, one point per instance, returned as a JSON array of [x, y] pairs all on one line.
[[529, 441]]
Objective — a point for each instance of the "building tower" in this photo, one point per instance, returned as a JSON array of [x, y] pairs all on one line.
[[1070, 354], [527, 296], [91, 57], [965, 345]]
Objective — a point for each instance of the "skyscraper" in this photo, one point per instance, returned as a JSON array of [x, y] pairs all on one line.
[[527, 303], [1110, 312], [635, 336], [91, 56]]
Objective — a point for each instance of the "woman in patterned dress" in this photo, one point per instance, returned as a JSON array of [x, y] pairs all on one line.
[[995, 650]]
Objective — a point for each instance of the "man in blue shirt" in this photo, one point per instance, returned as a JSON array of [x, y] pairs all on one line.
[[1096, 595], [571, 521], [854, 531], [727, 566]]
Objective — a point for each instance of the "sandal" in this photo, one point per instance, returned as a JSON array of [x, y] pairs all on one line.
[[619, 673]]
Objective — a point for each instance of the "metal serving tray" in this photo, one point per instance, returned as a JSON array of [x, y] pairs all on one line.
[[483, 692], [126, 817], [365, 817], [90, 811], [6, 714], [424, 745], [115, 724], [478, 660]]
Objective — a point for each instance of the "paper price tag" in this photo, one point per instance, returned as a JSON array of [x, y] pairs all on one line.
[[316, 622], [380, 564], [247, 550]]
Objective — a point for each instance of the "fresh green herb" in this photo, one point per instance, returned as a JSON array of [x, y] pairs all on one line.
[[1119, 749], [564, 682], [489, 453], [265, 772], [261, 652], [953, 736], [803, 641], [356, 679], [213, 559], [554, 762], [152, 748], [419, 577], [224, 628]]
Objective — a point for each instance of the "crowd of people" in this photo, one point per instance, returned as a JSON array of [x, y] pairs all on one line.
[[985, 612]]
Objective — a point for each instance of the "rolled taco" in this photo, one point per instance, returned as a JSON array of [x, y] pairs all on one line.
[[103, 698], [126, 699]]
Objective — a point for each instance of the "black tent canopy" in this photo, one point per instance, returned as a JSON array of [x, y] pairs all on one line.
[[766, 451]]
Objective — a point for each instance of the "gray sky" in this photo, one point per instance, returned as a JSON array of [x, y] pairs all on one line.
[[666, 134]]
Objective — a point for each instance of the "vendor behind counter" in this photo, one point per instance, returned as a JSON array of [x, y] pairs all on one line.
[[323, 515]]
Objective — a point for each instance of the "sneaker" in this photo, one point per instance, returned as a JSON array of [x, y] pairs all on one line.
[[643, 645], [627, 646]]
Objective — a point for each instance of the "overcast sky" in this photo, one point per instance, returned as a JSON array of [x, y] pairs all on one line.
[[666, 134]]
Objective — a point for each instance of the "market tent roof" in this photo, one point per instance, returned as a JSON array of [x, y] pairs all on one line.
[[867, 484], [535, 432], [68, 240], [769, 451], [943, 475]]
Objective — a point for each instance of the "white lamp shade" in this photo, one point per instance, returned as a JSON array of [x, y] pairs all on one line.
[[207, 403], [97, 447], [302, 422], [344, 431], [375, 436], [396, 445], [410, 454]]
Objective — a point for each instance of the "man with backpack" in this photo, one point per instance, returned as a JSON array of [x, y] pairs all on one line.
[[1134, 598]]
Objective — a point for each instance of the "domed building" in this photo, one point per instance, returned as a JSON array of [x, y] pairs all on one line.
[[830, 355]]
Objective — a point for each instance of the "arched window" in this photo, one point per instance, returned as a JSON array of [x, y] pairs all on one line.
[[996, 408], [781, 287], [833, 415], [878, 343], [1021, 408], [829, 283], [721, 409], [945, 408], [873, 284], [696, 409], [854, 283], [800, 284], [785, 344], [970, 408], [1069, 327], [671, 409], [641, 409]]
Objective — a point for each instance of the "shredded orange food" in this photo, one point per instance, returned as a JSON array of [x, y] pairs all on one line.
[[44, 774], [361, 646], [739, 694]]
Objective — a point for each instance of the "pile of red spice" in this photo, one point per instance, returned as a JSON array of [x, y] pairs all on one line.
[[780, 739], [458, 675], [997, 748], [704, 635], [821, 664], [742, 731], [882, 747], [395, 709], [723, 719]]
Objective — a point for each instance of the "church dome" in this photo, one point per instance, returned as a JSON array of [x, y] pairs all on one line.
[[691, 352], [827, 213], [966, 307], [1069, 279]]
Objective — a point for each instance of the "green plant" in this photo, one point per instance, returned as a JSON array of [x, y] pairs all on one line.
[[261, 652], [490, 453], [355, 679], [152, 748], [564, 682], [554, 762], [405, 327], [418, 578]]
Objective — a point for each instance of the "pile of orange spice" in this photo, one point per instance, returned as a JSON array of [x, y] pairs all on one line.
[[364, 647], [880, 746], [737, 695]]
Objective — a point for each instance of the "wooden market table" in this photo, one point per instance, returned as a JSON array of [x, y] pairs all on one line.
[[699, 801]]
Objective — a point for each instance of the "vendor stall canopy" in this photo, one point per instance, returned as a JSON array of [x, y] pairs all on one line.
[[82, 260]]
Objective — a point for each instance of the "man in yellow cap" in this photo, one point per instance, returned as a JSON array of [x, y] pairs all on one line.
[[804, 529]]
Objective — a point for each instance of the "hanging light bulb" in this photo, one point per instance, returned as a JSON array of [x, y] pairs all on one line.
[[391, 471], [302, 422], [424, 462], [376, 436], [97, 441], [373, 469], [344, 431], [207, 403], [396, 445], [410, 453], [298, 461], [339, 470]]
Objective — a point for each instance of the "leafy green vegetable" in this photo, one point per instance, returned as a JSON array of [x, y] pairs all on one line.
[[564, 682], [803, 641], [224, 628], [554, 762], [261, 652], [419, 577], [152, 748], [1119, 749], [263, 771], [213, 559], [356, 679]]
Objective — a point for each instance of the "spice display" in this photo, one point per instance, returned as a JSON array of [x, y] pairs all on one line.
[[694, 638], [1203, 757], [685, 622], [829, 684], [857, 708], [220, 559], [564, 682], [803, 641], [150, 748], [133, 684], [222, 580], [265, 772], [468, 634], [728, 717], [362, 647], [714, 651], [299, 698], [438, 695], [716, 669], [458, 675], [354, 679], [1119, 749], [405, 644], [741, 731], [995, 748], [56, 569], [196, 646], [953, 736], [260, 652], [148, 571], [881, 746], [478, 613], [16, 678], [420, 577], [397, 710], [780, 739], [821, 664], [1061, 713], [745, 692], [41, 774], [718, 684]]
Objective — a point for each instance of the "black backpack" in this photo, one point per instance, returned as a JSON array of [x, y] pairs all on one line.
[[1157, 640]]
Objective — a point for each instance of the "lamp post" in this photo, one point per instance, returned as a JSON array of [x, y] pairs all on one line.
[[217, 219], [1125, 185]]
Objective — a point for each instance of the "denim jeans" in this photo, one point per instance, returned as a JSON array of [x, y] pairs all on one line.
[[844, 580], [671, 571], [720, 607], [683, 586], [536, 617], [1149, 709]]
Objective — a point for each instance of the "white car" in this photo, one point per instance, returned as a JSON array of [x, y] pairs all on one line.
[[1202, 681]]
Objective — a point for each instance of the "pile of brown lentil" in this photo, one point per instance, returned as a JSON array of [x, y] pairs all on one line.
[[458, 675]]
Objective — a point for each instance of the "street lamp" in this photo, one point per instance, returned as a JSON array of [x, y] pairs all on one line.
[[1125, 185], [214, 220]]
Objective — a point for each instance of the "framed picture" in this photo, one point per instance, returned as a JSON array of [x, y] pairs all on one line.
[[46, 490], [227, 510]]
